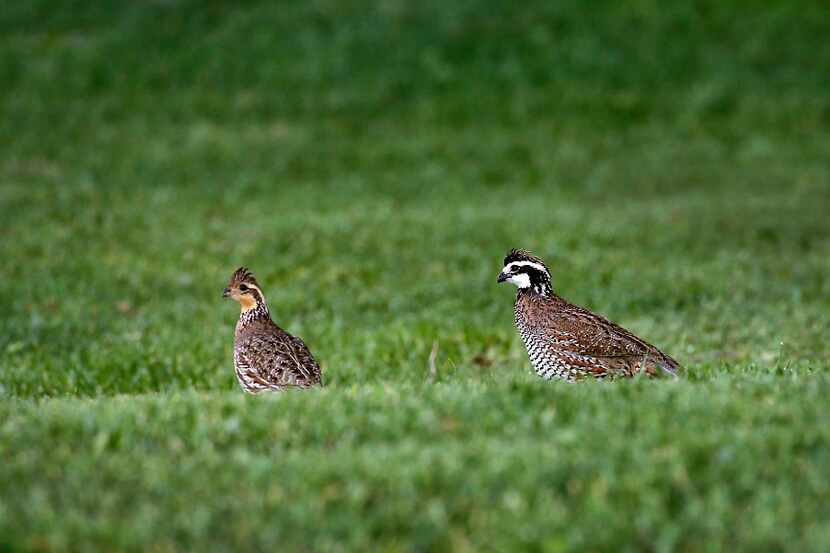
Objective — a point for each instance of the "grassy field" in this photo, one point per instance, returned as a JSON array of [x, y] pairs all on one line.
[[372, 163]]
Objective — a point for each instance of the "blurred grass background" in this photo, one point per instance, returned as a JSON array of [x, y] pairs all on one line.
[[372, 163]]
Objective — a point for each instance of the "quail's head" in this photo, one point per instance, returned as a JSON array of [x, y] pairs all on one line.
[[244, 288], [525, 270]]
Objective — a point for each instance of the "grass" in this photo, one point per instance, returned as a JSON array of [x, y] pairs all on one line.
[[372, 164], [457, 466]]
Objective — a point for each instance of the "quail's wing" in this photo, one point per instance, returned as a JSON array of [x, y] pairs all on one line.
[[583, 333], [308, 366], [279, 359], [255, 381]]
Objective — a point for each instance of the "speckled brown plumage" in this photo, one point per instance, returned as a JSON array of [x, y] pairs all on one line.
[[569, 342], [265, 357]]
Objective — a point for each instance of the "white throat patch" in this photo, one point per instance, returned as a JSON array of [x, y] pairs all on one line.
[[522, 280]]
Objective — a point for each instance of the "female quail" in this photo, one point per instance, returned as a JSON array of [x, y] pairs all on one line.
[[265, 357]]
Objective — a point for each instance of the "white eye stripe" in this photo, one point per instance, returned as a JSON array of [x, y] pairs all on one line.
[[253, 287], [531, 264]]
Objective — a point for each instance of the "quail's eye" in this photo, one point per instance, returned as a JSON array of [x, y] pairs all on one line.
[[243, 288]]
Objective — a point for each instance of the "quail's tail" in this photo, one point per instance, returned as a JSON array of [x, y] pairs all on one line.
[[666, 363]]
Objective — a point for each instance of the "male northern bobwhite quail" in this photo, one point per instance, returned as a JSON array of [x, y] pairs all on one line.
[[266, 357], [569, 342]]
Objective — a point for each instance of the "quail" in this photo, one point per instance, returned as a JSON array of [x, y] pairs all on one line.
[[569, 342], [265, 357]]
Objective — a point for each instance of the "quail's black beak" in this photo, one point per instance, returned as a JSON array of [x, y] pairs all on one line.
[[226, 292], [502, 277]]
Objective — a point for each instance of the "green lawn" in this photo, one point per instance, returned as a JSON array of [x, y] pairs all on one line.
[[372, 163]]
